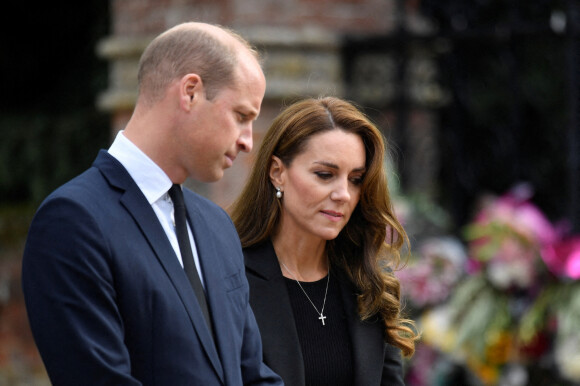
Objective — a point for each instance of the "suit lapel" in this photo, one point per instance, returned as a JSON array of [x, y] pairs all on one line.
[[271, 306], [138, 207], [212, 270]]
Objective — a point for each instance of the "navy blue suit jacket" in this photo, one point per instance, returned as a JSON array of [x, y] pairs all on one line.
[[109, 303], [375, 362]]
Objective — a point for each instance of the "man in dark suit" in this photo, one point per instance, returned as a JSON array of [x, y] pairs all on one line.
[[108, 299]]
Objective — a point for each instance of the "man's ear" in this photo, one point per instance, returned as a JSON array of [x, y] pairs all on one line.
[[190, 89], [277, 172]]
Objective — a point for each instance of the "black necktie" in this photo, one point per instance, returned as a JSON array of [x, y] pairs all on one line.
[[185, 247]]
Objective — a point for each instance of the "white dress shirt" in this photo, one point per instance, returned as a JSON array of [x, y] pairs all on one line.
[[154, 184]]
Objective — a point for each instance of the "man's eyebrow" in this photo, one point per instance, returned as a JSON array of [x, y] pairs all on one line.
[[249, 114]]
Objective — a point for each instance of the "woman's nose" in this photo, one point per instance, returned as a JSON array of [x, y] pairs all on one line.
[[340, 191]]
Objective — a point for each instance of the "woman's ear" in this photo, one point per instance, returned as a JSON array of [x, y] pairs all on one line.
[[277, 172]]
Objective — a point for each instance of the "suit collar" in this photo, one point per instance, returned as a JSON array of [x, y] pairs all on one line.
[[149, 177], [261, 259], [136, 204]]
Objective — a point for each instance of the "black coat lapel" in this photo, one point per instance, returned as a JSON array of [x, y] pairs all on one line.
[[375, 362], [366, 337], [271, 305]]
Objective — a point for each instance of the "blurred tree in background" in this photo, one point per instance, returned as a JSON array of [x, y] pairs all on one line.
[[50, 131], [49, 126]]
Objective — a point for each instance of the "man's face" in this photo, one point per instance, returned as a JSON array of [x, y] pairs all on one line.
[[219, 129]]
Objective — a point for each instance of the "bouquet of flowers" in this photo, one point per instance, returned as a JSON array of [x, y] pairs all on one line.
[[509, 303]]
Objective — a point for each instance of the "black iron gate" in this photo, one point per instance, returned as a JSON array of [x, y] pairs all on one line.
[[508, 106]]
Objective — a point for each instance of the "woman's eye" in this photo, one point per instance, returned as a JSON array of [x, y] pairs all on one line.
[[323, 175], [356, 180]]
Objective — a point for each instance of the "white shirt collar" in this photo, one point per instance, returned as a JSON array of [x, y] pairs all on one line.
[[148, 176]]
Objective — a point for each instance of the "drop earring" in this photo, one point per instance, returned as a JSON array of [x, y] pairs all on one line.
[[278, 192]]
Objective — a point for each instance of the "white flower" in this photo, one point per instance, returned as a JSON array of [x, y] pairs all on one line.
[[567, 354]]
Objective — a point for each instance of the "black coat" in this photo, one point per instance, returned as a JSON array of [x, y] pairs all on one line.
[[376, 362]]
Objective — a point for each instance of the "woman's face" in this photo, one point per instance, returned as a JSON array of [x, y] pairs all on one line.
[[322, 185]]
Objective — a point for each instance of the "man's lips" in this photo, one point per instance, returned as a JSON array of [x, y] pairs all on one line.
[[230, 159]]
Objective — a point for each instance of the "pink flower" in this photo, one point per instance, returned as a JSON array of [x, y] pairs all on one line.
[[473, 266], [516, 211], [563, 258], [506, 238], [432, 276], [573, 266]]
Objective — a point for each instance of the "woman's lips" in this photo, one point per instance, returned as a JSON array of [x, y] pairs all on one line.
[[332, 215]]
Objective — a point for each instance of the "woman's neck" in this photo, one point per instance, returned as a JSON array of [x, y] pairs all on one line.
[[301, 259]]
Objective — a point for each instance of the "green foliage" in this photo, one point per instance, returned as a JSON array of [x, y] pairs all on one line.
[[40, 151], [478, 311], [14, 222], [535, 319]]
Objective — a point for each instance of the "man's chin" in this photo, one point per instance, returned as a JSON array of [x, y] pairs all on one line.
[[212, 179], [214, 176]]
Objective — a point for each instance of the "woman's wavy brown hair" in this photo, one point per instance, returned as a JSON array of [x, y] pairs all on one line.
[[363, 249]]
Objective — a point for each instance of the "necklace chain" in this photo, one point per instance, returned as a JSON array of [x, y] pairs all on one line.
[[322, 317]]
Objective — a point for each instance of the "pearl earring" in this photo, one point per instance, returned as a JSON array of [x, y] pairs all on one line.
[[278, 192]]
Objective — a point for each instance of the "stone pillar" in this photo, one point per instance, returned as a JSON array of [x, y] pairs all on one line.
[[123, 53]]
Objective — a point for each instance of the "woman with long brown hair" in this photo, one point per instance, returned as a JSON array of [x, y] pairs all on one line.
[[320, 241]]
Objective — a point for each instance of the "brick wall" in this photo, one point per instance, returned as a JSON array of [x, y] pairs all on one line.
[[138, 17]]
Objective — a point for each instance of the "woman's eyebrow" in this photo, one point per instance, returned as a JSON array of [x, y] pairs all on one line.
[[335, 166], [326, 163]]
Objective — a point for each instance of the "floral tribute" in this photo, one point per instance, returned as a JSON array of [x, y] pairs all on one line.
[[501, 305]]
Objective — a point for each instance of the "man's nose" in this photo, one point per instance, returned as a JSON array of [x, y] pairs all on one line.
[[245, 141]]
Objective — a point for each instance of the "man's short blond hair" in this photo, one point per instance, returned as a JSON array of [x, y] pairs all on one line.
[[189, 48]]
